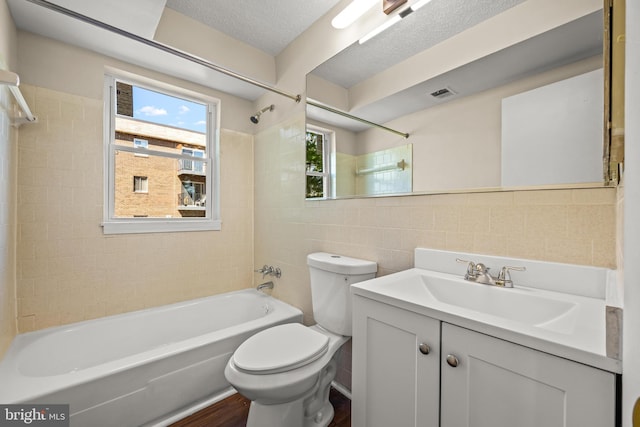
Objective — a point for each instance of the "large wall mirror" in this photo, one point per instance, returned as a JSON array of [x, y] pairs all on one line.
[[493, 95]]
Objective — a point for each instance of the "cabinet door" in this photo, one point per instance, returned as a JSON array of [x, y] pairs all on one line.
[[394, 382], [501, 384]]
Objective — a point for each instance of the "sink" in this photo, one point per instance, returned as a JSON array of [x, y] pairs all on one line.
[[555, 308], [529, 306], [521, 305]]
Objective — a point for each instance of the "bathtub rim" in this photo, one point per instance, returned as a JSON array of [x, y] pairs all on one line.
[[28, 389]]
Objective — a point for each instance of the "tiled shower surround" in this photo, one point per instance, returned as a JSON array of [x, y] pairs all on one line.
[[67, 270]]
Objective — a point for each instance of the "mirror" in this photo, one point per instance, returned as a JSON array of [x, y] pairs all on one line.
[[484, 108]]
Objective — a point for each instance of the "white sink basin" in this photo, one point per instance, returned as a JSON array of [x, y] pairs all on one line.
[[528, 306], [521, 305]]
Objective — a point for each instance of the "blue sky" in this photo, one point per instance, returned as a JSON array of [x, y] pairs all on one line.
[[168, 110]]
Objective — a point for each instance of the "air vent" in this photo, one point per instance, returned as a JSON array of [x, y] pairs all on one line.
[[443, 93]]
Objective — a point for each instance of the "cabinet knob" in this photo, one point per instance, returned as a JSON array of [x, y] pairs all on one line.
[[424, 348], [452, 360]]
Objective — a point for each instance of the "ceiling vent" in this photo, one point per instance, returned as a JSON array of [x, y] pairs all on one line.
[[445, 92]]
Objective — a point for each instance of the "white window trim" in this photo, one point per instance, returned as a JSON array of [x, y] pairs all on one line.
[[211, 221], [328, 182], [140, 143]]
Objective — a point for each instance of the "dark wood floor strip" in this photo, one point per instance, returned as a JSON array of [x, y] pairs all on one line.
[[233, 412]]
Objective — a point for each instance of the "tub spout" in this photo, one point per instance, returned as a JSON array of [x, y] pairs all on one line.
[[265, 285]]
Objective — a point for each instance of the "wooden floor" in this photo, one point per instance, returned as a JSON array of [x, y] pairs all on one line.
[[233, 412]]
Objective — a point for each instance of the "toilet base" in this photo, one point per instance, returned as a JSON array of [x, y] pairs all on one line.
[[310, 410], [288, 415]]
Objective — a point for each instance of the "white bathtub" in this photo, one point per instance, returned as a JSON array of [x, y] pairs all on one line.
[[148, 367]]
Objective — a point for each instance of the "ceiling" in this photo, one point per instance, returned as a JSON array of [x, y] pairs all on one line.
[[435, 22], [267, 25]]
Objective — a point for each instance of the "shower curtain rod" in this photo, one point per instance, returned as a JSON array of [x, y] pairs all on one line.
[[352, 117], [163, 47]]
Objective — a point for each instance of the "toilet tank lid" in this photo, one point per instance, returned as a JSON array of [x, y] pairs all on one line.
[[340, 264]]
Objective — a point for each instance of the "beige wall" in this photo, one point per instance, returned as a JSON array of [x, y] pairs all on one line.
[[8, 184], [48, 63]]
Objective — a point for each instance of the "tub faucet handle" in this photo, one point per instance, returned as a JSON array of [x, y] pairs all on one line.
[[269, 270], [264, 270]]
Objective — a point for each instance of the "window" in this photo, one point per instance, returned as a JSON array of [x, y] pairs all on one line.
[[140, 143], [318, 155], [191, 165], [165, 135], [140, 184]]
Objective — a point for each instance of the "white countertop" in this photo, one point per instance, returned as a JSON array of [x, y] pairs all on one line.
[[579, 335]]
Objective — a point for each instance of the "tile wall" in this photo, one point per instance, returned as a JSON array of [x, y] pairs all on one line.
[[67, 270]]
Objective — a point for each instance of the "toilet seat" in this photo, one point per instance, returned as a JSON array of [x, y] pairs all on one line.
[[280, 348]]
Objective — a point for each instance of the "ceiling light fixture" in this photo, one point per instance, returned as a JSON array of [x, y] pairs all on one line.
[[394, 19], [353, 11]]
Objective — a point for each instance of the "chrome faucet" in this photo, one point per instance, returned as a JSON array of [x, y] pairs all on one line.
[[269, 270], [479, 273], [265, 285], [483, 276]]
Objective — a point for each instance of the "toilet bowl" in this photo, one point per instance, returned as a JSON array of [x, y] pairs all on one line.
[[286, 371]]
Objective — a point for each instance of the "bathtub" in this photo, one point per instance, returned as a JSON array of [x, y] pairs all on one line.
[[149, 367]]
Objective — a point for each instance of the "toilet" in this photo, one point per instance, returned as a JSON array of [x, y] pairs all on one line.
[[286, 370]]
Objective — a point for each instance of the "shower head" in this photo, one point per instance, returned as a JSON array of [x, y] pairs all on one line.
[[256, 117]]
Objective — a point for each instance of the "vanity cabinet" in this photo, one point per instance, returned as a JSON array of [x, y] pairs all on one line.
[[497, 383], [466, 378], [396, 367]]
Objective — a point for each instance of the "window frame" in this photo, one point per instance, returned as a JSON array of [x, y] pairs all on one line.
[[141, 143], [328, 159], [211, 220], [141, 180]]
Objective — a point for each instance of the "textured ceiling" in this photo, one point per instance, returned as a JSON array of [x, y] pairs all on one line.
[[430, 25], [269, 25]]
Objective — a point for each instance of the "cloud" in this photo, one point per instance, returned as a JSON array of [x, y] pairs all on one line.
[[200, 123], [183, 109], [149, 110]]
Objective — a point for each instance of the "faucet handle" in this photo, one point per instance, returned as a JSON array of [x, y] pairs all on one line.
[[471, 268], [504, 277], [264, 270]]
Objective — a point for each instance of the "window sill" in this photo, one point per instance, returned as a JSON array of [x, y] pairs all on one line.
[[159, 226]]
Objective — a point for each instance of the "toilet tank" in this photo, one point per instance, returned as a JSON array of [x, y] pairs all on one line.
[[331, 277]]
